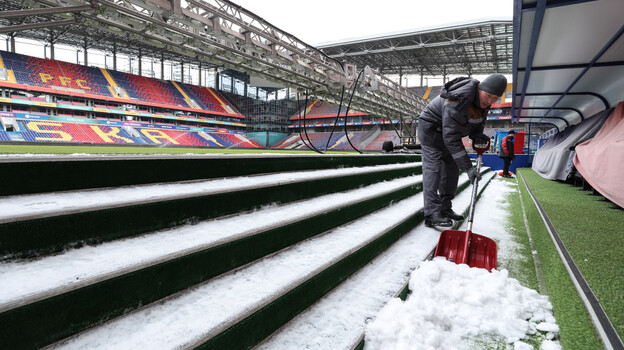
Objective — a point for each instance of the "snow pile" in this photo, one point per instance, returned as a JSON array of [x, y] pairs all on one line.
[[452, 304]]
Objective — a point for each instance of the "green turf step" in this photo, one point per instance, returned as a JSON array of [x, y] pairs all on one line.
[[44, 321], [52, 233], [253, 329], [403, 292], [38, 175]]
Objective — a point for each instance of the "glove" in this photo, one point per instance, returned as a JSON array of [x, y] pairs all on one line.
[[480, 138], [473, 174]]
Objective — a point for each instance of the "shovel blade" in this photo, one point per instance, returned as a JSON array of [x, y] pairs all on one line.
[[451, 246], [480, 251]]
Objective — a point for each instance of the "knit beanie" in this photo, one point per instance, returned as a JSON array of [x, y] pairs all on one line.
[[495, 84]]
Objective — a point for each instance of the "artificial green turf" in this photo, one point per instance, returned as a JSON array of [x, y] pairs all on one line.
[[69, 149], [523, 267], [572, 214]]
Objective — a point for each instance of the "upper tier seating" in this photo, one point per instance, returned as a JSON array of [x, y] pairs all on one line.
[[203, 97], [148, 89], [419, 90], [317, 109], [92, 76], [61, 75], [435, 91], [50, 73]]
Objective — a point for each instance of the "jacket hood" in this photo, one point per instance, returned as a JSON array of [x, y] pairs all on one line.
[[460, 88]]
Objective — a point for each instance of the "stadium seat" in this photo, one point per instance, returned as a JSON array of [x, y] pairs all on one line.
[[4, 136], [203, 97], [52, 131], [51, 73], [109, 134]]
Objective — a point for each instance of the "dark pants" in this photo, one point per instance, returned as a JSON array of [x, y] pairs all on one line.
[[440, 171], [507, 163]]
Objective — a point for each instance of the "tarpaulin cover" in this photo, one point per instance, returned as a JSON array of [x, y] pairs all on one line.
[[601, 159], [553, 161]]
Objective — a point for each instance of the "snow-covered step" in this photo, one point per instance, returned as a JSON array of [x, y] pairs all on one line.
[[23, 174], [44, 223], [70, 294], [338, 320], [23, 283], [240, 308], [88, 285], [14, 208]]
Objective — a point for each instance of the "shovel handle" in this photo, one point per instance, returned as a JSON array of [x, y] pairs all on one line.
[[480, 148]]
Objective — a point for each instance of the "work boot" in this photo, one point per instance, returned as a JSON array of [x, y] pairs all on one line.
[[449, 213], [437, 220]]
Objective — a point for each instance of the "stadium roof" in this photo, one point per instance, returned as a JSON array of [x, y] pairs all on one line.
[[63, 23], [568, 61], [467, 48], [211, 32]]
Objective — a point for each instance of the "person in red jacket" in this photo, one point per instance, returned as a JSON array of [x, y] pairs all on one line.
[[506, 152]]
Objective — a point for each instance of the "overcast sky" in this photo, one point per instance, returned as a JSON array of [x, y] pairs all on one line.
[[324, 21], [321, 21]]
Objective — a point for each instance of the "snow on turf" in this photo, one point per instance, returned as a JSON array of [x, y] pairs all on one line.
[[450, 303]]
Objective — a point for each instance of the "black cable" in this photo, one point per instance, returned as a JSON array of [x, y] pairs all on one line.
[[395, 128], [347, 112], [310, 146], [299, 120], [336, 120], [304, 125]]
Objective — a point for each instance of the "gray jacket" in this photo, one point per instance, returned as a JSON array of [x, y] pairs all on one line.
[[457, 111]]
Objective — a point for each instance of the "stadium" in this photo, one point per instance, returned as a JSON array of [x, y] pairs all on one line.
[[185, 174]]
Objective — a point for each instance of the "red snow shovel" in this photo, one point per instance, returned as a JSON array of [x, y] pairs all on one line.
[[465, 247]]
